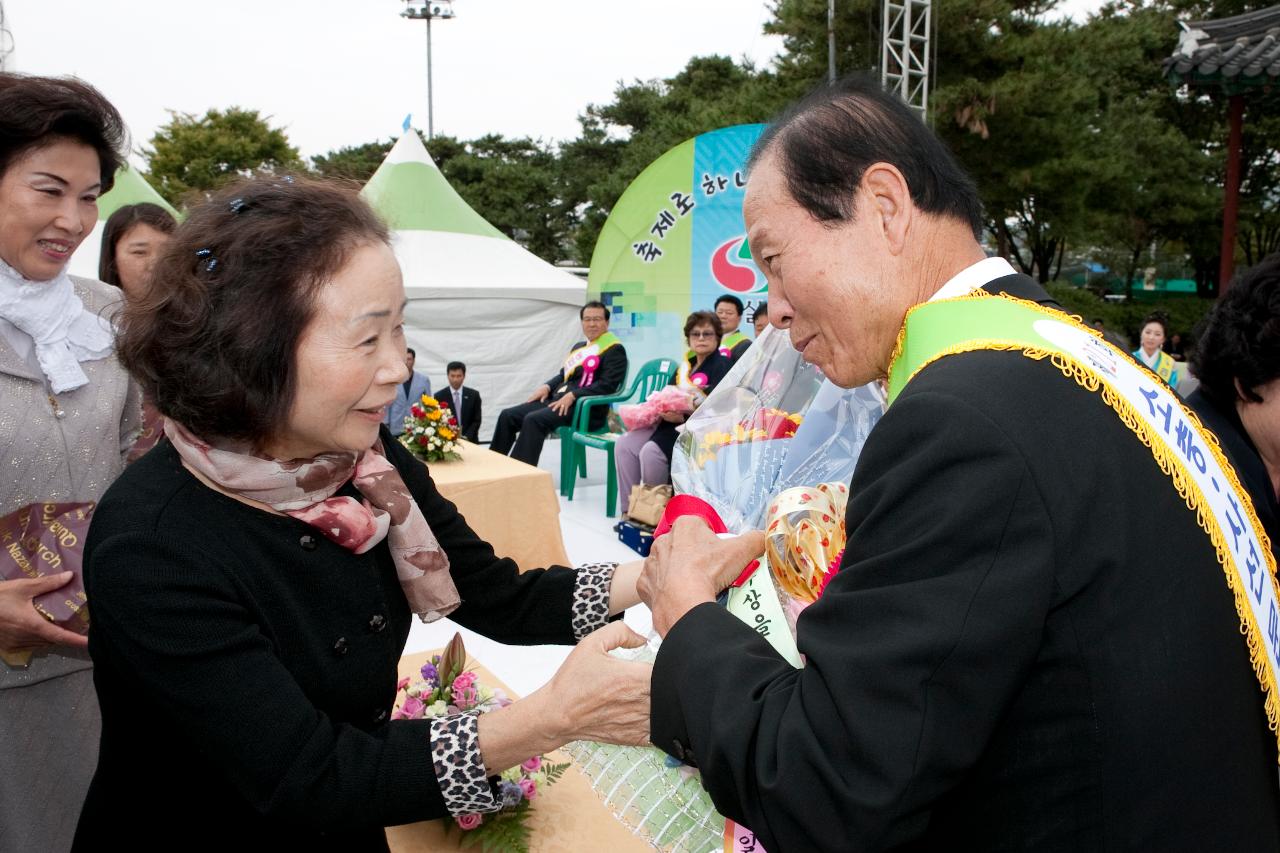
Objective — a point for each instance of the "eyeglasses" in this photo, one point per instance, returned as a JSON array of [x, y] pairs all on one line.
[[702, 333]]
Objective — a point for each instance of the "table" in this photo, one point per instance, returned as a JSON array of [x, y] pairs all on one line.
[[567, 817], [511, 505]]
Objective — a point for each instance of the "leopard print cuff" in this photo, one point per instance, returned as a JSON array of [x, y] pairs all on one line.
[[455, 753], [590, 608]]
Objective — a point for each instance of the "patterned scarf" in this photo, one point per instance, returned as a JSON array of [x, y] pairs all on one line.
[[304, 489]]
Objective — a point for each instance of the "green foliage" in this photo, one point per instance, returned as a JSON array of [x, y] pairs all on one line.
[[555, 771], [353, 163], [506, 832], [1183, 312], [190, 156]]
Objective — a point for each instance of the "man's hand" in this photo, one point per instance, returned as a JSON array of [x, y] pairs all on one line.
[[675, 417], [563, 406], [21, 625], [689, 566], [541, 393]]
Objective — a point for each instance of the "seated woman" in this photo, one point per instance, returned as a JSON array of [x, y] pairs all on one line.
[[643, 456], [1238, 364], [252, 578], [1150, 350]]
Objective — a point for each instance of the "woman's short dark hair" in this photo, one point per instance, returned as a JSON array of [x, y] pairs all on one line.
[[213, 341], [1157, 318], [703, 318], [119, 223], [38, 111], [828, 139], [1241, 338]]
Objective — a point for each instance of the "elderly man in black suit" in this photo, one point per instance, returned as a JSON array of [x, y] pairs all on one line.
[[1030, 643], [595, 366], [462, 401]]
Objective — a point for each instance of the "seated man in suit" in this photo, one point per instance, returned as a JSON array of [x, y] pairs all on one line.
[[595, 366], [409, 392], [1043, 631], [462, 401], [734, 343]]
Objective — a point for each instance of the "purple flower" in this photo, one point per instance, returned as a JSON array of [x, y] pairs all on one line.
[[429, 673], [529, 788], [511, 794]]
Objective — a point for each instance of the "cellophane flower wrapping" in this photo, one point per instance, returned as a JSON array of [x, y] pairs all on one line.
[[772, 423]]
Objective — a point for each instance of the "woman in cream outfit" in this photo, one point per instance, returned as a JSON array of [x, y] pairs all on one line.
[[68, 414]]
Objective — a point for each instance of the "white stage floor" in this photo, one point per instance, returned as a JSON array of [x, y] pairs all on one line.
[[588, 536]]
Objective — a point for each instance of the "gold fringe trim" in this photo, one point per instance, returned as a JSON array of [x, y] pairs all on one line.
[[1185, 485]]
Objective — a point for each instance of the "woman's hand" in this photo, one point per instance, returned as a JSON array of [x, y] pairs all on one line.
[[21, 625], [593, 696], [674, 417]]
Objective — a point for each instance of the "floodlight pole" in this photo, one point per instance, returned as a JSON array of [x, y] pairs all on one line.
[[416, 11], [905, 51]]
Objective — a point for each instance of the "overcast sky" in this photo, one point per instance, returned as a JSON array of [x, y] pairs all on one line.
[[343, 72]]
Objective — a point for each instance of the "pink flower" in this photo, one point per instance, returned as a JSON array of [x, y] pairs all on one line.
[[468, 821], [465, 695], [532, 764], [529, 788], [412, 708], [402, 684]]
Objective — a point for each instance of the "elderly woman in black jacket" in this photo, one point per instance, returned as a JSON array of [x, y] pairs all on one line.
[[253, 577]]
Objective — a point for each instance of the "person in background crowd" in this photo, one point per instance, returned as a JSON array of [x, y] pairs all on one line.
[[254, 577], [760, 319], [407, 393], [1237, 361], [595, 366], [644, 455], [131, 240], [1030, 642], [1150, 353], [68, 415], [1176, 347], [732, 343], [463, 401]]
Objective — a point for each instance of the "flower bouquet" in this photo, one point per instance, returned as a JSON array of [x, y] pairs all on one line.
[[772, 447], [447, 688], [646, 414], [430, 432]]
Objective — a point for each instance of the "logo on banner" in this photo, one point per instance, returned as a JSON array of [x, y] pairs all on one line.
[[733, 269]]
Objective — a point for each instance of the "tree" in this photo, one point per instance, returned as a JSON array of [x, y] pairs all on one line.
[[190, 154], [353, 163]]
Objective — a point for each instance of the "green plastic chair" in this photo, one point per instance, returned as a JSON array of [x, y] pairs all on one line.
[[576, 439]]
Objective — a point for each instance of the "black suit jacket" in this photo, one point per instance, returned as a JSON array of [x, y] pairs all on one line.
[[469, 417], [246, 665], [1030, 645], [608, 379]]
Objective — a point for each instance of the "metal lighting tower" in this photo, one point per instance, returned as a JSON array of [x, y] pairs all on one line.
[[905, 50], [425, 12], [6, 43]]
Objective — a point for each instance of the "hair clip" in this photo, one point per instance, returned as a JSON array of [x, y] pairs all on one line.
[[210, 262], [237, 205]]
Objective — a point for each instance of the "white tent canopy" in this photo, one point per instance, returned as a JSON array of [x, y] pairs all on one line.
[[475, 296]]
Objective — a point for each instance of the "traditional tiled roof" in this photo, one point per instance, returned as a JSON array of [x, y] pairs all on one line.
[[1234, 53]]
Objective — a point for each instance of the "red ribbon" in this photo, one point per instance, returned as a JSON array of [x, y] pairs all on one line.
[[682, 505]]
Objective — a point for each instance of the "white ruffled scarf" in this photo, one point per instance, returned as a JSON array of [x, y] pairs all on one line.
[[64, 332]]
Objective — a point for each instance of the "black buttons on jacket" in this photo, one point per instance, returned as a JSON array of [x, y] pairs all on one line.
[[340, 646], [308, 542], [377, 623], [381, 716]]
